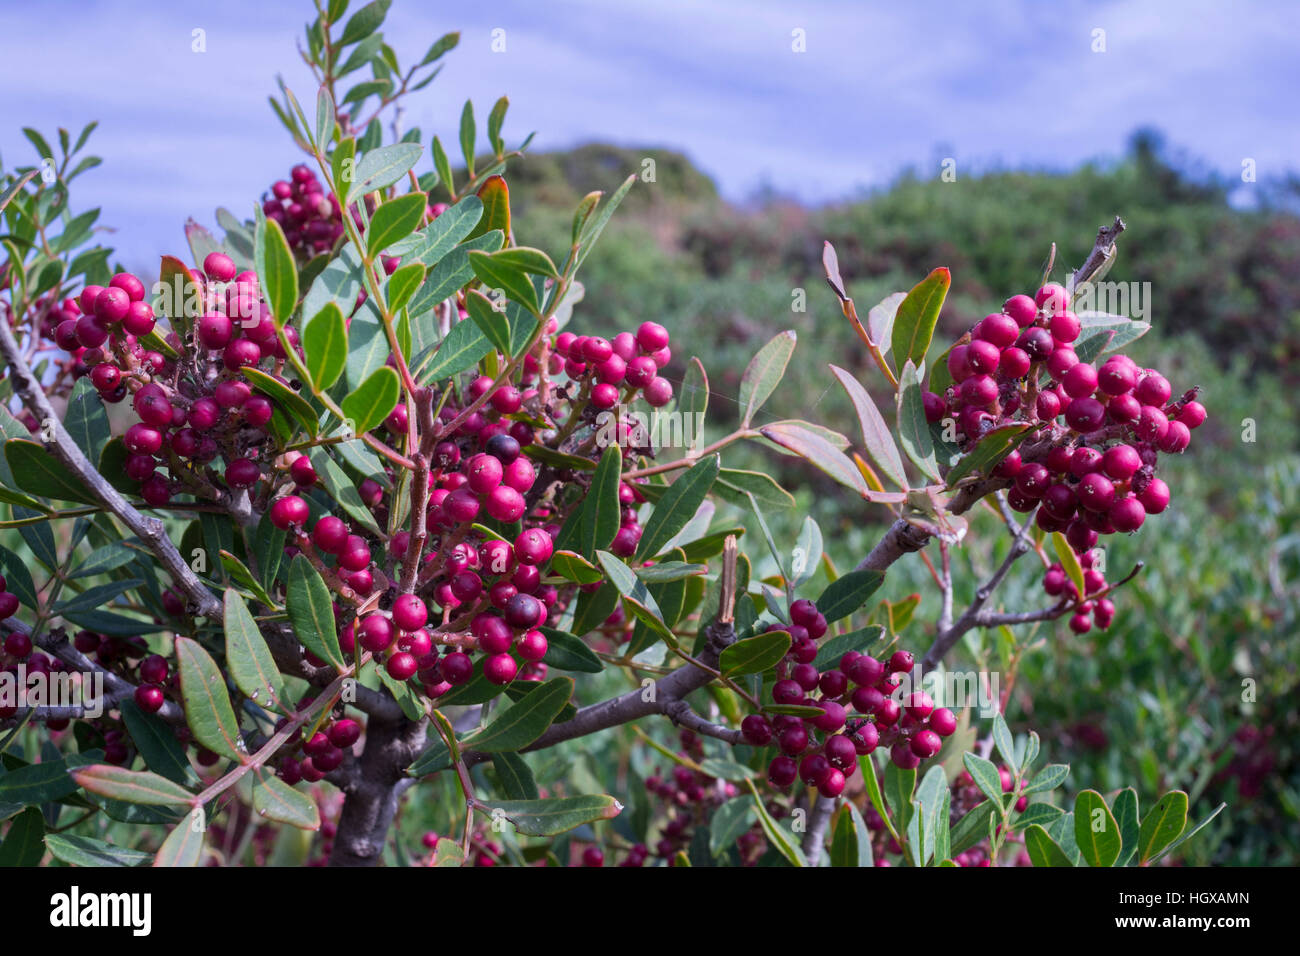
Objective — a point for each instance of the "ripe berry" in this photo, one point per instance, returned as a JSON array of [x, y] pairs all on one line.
[[1154, 497], [1048, 406], [111, 305], [331, 536], [1116, 377], [903, 757], [456, 668], [505, 504], [1175, 439], [1152, 424], [1127, 514], [934, 407], [943, 722], [519, 474], [756, 730], [1052, 297], [153, 669], [242, 473], [926, 744], [1014, 363], [982, 356], [1037, 343], [409, 612], [532, 646], [149, 697], [503, 448], [1085, 415], [651, 336], [484, 473], [301, 471], [215, 331], [900, 662], [500, 669], [1065, 327], [524, 611], [782, 772], [658, 392], [831, 784], [1153, 389], [129, 284], [344, 733], [998, 329], [287, 511], [533, 546], [1192, 414], [1033, 480], [1022, 309], [219, 266], [979, 391], [1080, 381], [1121, 462]]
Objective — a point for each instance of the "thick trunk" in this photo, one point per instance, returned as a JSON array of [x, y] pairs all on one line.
[[370, 799]]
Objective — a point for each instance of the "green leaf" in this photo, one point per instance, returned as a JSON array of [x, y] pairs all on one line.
[[592, 230], [87, 851], [806, 442], [567, 652], [521, 723], [207, 705], [734, 487], [898, 789], [780, 838], [105, 559], [240, 574], [1005, 744], [1095, 829], [184, 845], [502, 274], [574, 567], [527, 259], [492, 321], [440, 46], [764, 373], [132, 786], [452, 272], [850, 838], [989, 452], [24, 844], [1049, 778], [1069, 561], [847, 593], [310, 609], [913, 429], [495, 195], [1163, 824], [1189, 833], [916, 317], [517, 781], [1042, 849], [876, 437], [284, 397], [467, 130], [832, 649], [496, 119], [678, 506], [273, 799], [1044, 814], [1125, 808], [325, 342], [972, 828], [594, 524], [393, 221], [931, 803], [99, 595], [463, 347], [86, 419], [985, 775], [639, 600], [401, 286], [556, 815], [39, 473], [251, 665], [729, 822], [276, 271], [373, 401], [364, 22], [157, 744], [325, 121], [756, 654], [380, 168], [341, 489]]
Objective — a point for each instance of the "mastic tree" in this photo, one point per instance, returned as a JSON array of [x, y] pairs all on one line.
[[345, 503]]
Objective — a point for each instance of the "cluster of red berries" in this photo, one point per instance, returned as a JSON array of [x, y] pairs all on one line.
[[311, 218], [689, 797], [629, 360], [912, 730], [322, 752], [1099, 474]]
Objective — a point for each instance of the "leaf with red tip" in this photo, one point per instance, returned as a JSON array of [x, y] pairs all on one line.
[[132, 786], [808, 444], [917, 316], [876, 436], [495, 195]]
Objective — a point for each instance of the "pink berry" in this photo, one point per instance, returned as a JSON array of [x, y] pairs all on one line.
[[287, 511]]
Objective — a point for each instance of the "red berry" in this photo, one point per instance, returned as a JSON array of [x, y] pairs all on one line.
[[756, 730], [1153, 389], [500, 669], [651, 336], [1127, 514], [409, 612], [287, 511], [1155, 497], [1052, 297], [1022, 309], [1065, 326], [1085, 415], [927, 743], [1121, 462], [219, 266], [149, 697], [1014, 363], [1080, 381], [943, 722], [153, 669], [998, 329]]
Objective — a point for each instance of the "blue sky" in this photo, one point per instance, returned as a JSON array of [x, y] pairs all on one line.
[[880, 86]]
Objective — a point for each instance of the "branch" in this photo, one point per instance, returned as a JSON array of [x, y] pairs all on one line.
[[1101, 257], [150, 530], [815, 838]]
